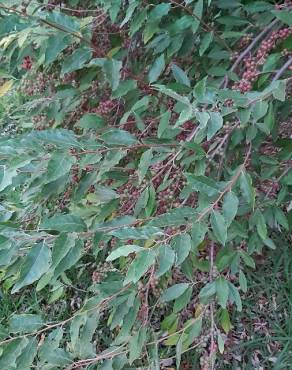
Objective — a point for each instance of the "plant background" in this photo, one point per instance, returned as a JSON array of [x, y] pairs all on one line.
[[145, 180]]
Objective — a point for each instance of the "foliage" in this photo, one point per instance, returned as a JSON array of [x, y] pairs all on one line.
[[144, 165]]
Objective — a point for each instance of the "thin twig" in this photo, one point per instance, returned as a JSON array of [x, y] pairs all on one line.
[[247, 50], [282, 70]]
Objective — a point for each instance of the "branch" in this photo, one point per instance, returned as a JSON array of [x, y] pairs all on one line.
[[227, 189], [247, 50], [282, 69], [205, 26]]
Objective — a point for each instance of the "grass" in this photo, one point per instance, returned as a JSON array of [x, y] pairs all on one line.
[[264, 328]]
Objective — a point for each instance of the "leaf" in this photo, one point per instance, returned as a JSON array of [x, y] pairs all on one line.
[[198, 233], [64, 223], [198, 11], [124, 87], [124, 251], [35, 264], [260, 109], [179, 351], [179, 75], [111, 68], [261, 224], [234, 296], [247, 259], [163, 124], [281, 218], [118, 137], [156, 69], [242, 281], [230, 207], [137, 343], [182, 301], [144, 164], [76, 61], [222, 291], [139, 266], [55, 45], [203, 184], [219, 227], [25, 323], [91, 121], [59, 165], [225, 321], [216, 122], [166, 257], [159, 11], [283, 15], [130, 11], [200, 92], [205, 43], [6, 87], [207, 292], [174, 292], [220, 343], [182, 245], [246, 187]]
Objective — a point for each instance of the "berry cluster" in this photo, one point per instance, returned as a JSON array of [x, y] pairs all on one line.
[[26, 63], [37, 84], [101, 271], [251, 63]]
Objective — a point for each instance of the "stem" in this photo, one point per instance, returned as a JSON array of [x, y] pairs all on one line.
[[247, 50], [282, 70]]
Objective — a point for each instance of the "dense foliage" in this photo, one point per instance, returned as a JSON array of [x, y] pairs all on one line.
[[144, 165]]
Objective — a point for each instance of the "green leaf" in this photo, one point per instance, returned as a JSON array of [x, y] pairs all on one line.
[[64, 223], [261, 224], [247, 259], [179, 351], [222, 291], [159, 11], [91, 121], [242, 281], [76, 61], [118, 137], [216, 122], [207, 292], [59, 165], [166, 257], [283, 15], [35, 264], [139, 266], [205, 43], [198, 233], [260, 109], [198, 11], [111, 68], [174, 292], [203, 184], [200, 92], [144, 164], [225, 321], [234, 296], [281, 218], [163, 124], [156, 69], [246, 187], [179, 75], [124, 251], [182, 301], [219, 227], [182, 245], [55, 45], [137, 343], [220, 342], [25, 323], [124, 87], [230, 207]]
